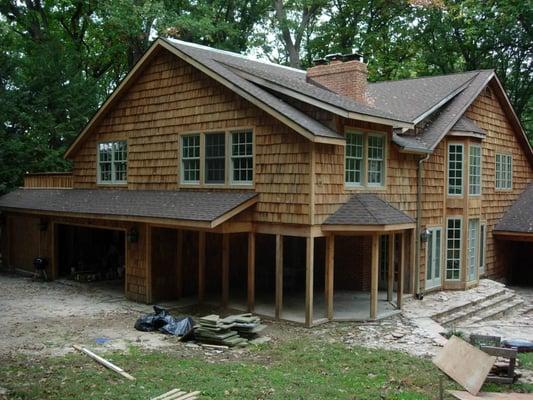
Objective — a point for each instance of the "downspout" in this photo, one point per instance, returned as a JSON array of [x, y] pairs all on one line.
[[420, 168]]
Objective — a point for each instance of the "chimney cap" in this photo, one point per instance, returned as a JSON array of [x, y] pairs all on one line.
[[334, 57], [352, 57], [320, 61]]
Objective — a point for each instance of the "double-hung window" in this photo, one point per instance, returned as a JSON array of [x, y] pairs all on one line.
[[453, 249], [242, 157], [364, 159], [216, 158], [190, 158], [455, 169], [504, 171], [113, 162], [474, 168]]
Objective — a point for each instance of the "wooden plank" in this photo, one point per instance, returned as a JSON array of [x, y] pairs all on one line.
[[225, 269], [499, 351], [251, 271], [401, 269], [374, 275], [390, 267], [279, 276], [201, 266], [179, 262], [461, 395], [330, 268], [309, 270], [104, 362], [464, 363]]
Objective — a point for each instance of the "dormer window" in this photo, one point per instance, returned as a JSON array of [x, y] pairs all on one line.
[[364, 159], [113, 162]]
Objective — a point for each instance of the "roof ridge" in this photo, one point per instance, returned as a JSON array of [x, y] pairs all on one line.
[[231, 53], [477, 71]]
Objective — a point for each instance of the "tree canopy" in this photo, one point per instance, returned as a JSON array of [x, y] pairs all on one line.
[[60, 59]]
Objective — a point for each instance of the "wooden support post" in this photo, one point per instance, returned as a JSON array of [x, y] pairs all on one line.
[[251, 271], [201, 266], [374, 277], [330, 267], [412, 268], [179, 262], [390, 267], [225, 269], [401, 268], [279, 276], [148, 262], [309, 269]]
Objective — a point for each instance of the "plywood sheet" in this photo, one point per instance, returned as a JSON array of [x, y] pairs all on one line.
[[492, 396], [464, 363]]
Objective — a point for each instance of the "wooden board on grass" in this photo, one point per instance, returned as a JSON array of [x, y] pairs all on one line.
[[461, 395], [464, 363]]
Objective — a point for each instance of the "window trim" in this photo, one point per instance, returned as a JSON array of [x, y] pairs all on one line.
[[462, 170], [503, 189], [470, 146], [181, 159], [113, 181], [364, 167], [228, 181], [460, 218], [476, 249], [230, 158]]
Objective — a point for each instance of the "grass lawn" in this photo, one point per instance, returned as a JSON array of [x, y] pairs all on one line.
[[306, 368]]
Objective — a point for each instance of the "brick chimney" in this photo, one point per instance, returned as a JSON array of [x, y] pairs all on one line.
[[343, 74]]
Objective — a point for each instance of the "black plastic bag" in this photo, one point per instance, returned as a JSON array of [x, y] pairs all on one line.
[[164, 322]]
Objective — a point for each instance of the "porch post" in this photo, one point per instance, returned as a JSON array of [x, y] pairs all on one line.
[[225, 269], [330, 257], [309, 267], [179, 262], [279, 276], [148, 261], [390, 267], [251, 271], [201, 266], [374, 271], [413, 262], [401, 268]]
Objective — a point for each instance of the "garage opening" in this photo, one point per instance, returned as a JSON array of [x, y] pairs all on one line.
[[91, 254]]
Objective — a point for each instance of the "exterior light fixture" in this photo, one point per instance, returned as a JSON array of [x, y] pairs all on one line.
[[424, 235]]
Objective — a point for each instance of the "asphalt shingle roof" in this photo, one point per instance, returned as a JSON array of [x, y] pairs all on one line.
[[519, 217], [367, 209], [465, 124], [175, 205]]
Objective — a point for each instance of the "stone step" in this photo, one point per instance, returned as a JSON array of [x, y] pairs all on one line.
[[477, 308], [494, 313], [468, 305]]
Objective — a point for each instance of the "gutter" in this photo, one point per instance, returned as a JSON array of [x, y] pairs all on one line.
[[419, 171]]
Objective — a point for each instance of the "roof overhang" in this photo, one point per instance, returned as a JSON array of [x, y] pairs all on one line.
[[162, 44], [340, 228], [514, 236]]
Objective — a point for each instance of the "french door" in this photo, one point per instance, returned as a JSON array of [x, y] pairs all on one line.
[[473, 248], [433, 260]]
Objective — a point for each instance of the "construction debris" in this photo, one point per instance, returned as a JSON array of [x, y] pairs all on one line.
[[104, 362], [234, 330], [464, 363], [164, 322], [177, 394]]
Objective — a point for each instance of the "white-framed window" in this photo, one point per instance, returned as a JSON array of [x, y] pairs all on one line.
[[354, 158], [217, 158], [482, 247], [453, 248], [190, 158], [242, 157], [364, 159], [376, 159], [504, 171], [474, 170], [113, 162], [472, 248], [455, 169]]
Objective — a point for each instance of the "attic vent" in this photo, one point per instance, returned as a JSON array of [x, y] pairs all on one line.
[[488, 92]]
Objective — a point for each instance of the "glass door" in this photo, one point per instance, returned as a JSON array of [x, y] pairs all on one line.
[[473, 246], [433, 259]]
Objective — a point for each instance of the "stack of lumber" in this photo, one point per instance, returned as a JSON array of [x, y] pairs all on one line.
[[177, 394], [234, 330]]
